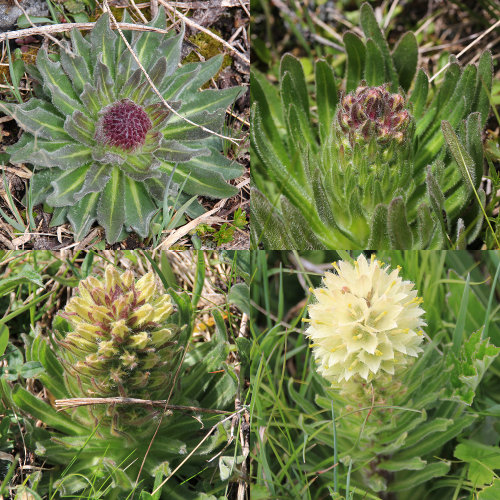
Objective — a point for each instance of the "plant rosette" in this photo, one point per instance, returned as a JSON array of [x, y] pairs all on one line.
[[395, 400], [105, 146], [391, 163], [119, 336]]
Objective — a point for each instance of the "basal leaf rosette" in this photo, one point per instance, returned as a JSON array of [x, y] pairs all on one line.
[[102, 141], [365, 325], [119, 343]]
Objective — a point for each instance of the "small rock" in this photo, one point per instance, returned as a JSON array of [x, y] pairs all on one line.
[[9, 12]]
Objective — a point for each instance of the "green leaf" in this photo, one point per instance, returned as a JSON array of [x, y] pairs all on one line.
[[139, 208], [66, 157], [436, 198], [57, 84], [41, 184], [461, 156], [239, 295], [148, 41], [31, 369], [4, 337], [26, 274], [83, 214], [268, 226], [419, 95], [199, 181], [81, 46], [76, 68], [81, 128], [434, 442], [379, 236], [218, 163], [326, 97], [483, 460], [413, 479], [397, 225], [38, 409], [96, 177], [405, 57], [474, 143], [373, 31], [38, 118], [425, 225], [202, 73], [374, 68], [415, 463], [171, 49], [174, 151], [207, 108], [484, 79], [111, 209], [299, 227], [276, 168], [103, 82], [103, 40], [66, 186], [355, 50], [298, 88], [491, 492], [468, 367]]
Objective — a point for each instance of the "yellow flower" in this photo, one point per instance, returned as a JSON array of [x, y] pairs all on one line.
[[366, 322]]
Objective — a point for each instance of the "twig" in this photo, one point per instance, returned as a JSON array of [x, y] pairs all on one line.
[[61, 28], [208, 5], [182, 231], [64, 404], [491, 28]]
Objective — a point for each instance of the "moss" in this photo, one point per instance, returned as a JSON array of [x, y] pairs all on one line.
[[28, 57], [208, 47]]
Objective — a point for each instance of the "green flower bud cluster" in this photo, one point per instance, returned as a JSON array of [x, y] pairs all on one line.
[[120, 344]]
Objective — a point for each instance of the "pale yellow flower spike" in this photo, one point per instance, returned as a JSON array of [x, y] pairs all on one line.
[[335, 322]]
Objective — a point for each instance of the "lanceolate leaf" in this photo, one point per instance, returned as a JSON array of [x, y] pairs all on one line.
[[374, 68], [355, 49], [95, 179], [483, 86], [218, 163], [111, 208], [399, 230], [463, 159], [83, 215], [405, 58], [138, 207], [419, 95], [198, 181], [297, 89], [102, 40], [66, 185], [174, 151], [373, 31], [326, 97]]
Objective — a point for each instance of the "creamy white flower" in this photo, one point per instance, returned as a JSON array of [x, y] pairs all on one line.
[[366, 321]]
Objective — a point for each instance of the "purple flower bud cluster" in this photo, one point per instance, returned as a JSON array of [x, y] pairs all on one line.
[[373, 112], [123, 124]]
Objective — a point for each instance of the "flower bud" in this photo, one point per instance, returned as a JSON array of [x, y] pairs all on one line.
[[119, 345], [373, 113]]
